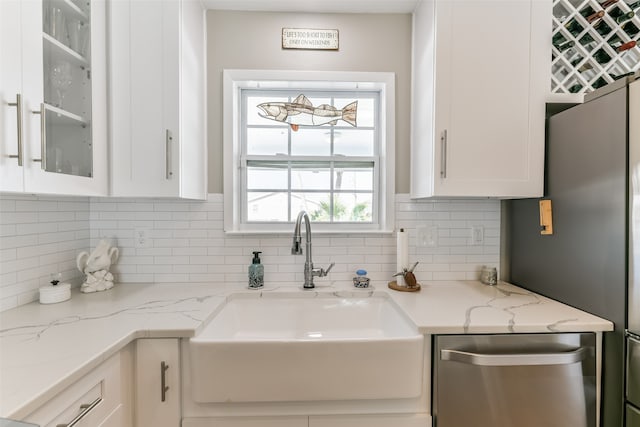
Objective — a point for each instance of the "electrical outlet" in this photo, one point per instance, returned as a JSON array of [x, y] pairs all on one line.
[[141, 238], [428, 236], [477, 235]]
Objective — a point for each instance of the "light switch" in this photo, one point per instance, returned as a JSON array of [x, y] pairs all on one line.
[[428, 236], [477, 235]]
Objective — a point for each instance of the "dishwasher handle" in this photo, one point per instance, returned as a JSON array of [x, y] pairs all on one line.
[[515, 359]]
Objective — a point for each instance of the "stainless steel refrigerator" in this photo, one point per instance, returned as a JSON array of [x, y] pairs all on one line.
[[592, 259]]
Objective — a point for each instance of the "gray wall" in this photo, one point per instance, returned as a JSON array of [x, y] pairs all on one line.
[[252, 40]]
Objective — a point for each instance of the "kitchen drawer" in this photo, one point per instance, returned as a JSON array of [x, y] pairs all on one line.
[[96, 395]]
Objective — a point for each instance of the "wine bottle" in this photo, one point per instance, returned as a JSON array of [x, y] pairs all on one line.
[[597, 15], [602, 28], [630, 29], [573, 27], [588, 10], [635, 5], [586, 39], [575, 61], [615, 12], [566, 45], [601, 56], [615, 41], [625, 17], [627, 46], [575, 88], [620, 76], [558, 39], [599, 83], [585, 67], [605, 4]]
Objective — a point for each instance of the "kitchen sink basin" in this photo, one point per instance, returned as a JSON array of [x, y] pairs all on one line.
[[304, 347]]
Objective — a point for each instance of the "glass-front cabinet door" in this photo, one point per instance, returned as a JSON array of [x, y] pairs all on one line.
[[67, 108], [53, 97]]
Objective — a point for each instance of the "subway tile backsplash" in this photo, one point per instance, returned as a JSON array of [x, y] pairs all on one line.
[[186, 243], [39, 235]]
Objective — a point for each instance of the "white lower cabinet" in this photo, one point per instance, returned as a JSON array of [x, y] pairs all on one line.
[[157, 383], [368, 420], [100, 398]]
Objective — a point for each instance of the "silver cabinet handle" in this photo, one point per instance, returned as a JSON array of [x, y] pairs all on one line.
[[43, 137], [443, 159], [86, 408], [516, 359], [163, 381], [168, 156], [18, 105]]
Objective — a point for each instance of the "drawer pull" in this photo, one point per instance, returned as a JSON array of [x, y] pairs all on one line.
[[163, 387], [18, 105], [43, 137], [86, 408], [516, 359], [168, 155]]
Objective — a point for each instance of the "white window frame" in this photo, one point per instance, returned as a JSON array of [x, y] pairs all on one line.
[[234, 81]]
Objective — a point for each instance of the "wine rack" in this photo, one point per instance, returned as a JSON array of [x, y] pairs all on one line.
[[593, 43]]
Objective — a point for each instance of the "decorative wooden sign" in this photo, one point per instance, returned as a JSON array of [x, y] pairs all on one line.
[[309, 38]]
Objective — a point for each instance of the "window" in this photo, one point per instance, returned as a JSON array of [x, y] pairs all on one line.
[[339, 172]]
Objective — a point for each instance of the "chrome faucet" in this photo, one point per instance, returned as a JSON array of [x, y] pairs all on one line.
[[296, 249]]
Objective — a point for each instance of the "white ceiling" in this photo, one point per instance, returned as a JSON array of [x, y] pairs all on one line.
[[320, 6]]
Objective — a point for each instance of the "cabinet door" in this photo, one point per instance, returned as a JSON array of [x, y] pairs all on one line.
[[157, 99], [20, 77], [62, 108], [144, 41], [487, 95], [487, 106], [10, 91], [157, 384], [372, 420]]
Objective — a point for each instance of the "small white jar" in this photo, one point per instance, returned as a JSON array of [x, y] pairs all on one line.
[[51, 294]]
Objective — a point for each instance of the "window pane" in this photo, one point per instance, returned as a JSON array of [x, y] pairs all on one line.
[[310, 176], [316, 205], [267, 141], [354, 142], [254, 113], [262, 175], [354, 207], [365, 115], [311, 142], [263, 206], [353, 178]]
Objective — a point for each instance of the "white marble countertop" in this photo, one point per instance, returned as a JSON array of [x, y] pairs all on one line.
[[45, 348]]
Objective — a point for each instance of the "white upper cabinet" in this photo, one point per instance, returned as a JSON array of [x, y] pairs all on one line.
[[480, 78], [157, 98], [53, 129]]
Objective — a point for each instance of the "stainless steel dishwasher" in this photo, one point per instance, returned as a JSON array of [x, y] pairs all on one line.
[[515, 380]]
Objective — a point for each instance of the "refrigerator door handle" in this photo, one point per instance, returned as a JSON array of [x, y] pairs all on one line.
[[515, 359]]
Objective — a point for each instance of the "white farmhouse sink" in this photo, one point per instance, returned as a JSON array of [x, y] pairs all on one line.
[[302, 347]]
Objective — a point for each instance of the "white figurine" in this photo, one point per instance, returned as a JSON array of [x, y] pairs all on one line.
[[96, 266]]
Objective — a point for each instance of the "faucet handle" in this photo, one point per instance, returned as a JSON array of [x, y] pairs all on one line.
[[324, 272]]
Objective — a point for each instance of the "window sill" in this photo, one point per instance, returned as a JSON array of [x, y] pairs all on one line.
[[314, 231]]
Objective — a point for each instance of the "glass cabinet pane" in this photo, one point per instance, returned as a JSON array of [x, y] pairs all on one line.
[[66, 39]]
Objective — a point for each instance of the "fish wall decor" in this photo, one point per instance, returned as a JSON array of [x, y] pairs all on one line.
[[301, 112]]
